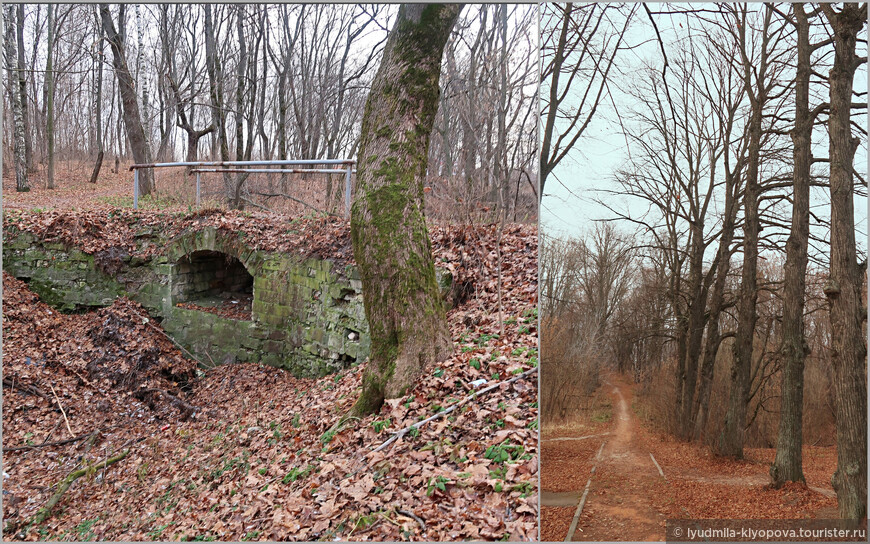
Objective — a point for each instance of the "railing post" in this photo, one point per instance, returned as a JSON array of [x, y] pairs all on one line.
[[135, 188], [347, 191], [197, 189]]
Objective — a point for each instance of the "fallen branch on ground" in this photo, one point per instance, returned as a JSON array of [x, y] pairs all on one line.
[[45, 512], [413, 516], [49, 444], [452, 407], [62, 411], [24, 388], [186, 408]]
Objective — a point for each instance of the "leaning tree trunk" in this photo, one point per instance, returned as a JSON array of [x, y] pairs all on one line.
[[788, 465], [843, 289], [132, 121], [388, 229], [15, 98], [98, 103]]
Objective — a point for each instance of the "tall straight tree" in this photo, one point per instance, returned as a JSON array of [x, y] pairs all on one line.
[[788, 465], [132, 120], [215, 87], [22, 82], [388, 228], [843, 289], [49, 96], [17, 114], [759, 77]]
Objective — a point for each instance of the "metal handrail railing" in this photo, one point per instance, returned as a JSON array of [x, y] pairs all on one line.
[[244, 166]]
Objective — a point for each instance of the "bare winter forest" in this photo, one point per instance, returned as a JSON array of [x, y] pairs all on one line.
[[100, 87], [705, 324], [270, 357]]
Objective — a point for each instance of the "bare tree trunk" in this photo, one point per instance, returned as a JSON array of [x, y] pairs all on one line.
[[788, 465], [98, 101], [132, 121], [695, 327], [215, 85], [234, 194], [141, 77], [22, 82], [843, 289], [15, 98], [388, 229], [733, 435], [716, 305], [49, 97]]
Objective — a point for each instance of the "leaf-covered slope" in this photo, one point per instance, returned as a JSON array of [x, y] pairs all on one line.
[[260, 458]]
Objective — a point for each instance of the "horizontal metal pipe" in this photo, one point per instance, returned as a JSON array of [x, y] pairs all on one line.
[[273, 170], [244, 163]]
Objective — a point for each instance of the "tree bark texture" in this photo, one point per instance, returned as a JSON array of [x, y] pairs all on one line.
[[388, 228], [22, 82], [788, 465], [49, 97], [843, 289], [21, 184], [132, 120]]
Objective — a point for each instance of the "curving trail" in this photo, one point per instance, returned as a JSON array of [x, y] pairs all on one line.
[[612, 487], [621, 502], [616, 502]]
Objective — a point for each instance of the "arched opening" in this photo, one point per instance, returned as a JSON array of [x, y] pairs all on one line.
[[214, 282]]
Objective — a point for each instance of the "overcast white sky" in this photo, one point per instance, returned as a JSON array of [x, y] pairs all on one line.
[[568, 205]]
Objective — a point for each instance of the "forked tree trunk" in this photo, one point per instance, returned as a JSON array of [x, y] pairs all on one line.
[[17, 113], [734, 431], [132, 120], [390, 240], [788, 465], [843, 289]]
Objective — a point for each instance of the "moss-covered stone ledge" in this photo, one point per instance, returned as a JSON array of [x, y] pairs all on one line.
[[307, 314], [63, 277]]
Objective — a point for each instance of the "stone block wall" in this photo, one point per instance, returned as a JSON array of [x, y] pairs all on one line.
[[205, 273], [65, 278], [308, 314]]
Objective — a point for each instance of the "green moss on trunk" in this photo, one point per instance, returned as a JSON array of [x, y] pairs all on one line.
[[388, 228]]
